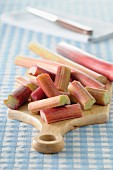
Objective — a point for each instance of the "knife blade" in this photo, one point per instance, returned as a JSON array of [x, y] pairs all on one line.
[[66, 23]]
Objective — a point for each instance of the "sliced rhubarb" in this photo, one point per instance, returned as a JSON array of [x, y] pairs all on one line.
[[22, 81], [72, 98], [38, 94], [47, 85], [27, 83], [18, 97], [61, 113], [32, 79], [48, 103], [101, 96], [36, 70], [81, 94], [62, 78]]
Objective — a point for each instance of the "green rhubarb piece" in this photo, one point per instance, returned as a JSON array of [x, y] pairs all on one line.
[[101, 96]]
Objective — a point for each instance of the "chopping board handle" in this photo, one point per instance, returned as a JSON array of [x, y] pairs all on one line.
[[49, 140]]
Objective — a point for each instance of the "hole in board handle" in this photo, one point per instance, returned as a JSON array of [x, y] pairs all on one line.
[[47, 138]]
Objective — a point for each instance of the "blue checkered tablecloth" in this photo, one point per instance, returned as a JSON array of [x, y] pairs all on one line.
[[86, 148]]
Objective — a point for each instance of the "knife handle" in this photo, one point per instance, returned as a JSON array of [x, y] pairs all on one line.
[[73, 26]]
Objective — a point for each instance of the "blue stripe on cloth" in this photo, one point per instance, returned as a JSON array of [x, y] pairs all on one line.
[[98, 147], [83, 150]]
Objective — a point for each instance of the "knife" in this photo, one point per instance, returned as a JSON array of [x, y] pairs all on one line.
[[66, 23]]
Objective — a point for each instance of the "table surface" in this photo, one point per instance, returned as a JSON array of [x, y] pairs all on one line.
[[89, 147]]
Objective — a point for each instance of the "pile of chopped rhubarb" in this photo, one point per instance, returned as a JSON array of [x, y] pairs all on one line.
[[57, 90]]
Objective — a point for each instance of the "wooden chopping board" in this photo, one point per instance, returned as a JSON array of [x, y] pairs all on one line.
[[50, 138]]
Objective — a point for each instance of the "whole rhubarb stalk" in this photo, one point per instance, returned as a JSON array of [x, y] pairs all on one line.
[[24, 61], [62, 78], [47, 85], [53, 66], [49, 55], [101, 96], [81, 94], [86, 80], [18, 97], [61, 113], [83, 58]]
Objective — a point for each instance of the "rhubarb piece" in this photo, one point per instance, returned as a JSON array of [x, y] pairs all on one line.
[[48, 103], [32, 79], [82, 95], [101, 96], [83, 58], [72, 98], [32, 86], [47, 54], [86, 80], [25, 82], [18, 97], [47, 85], [61, 113], [65, 93], [22, 81], [62, 78], [36, 70], [38, 94]]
